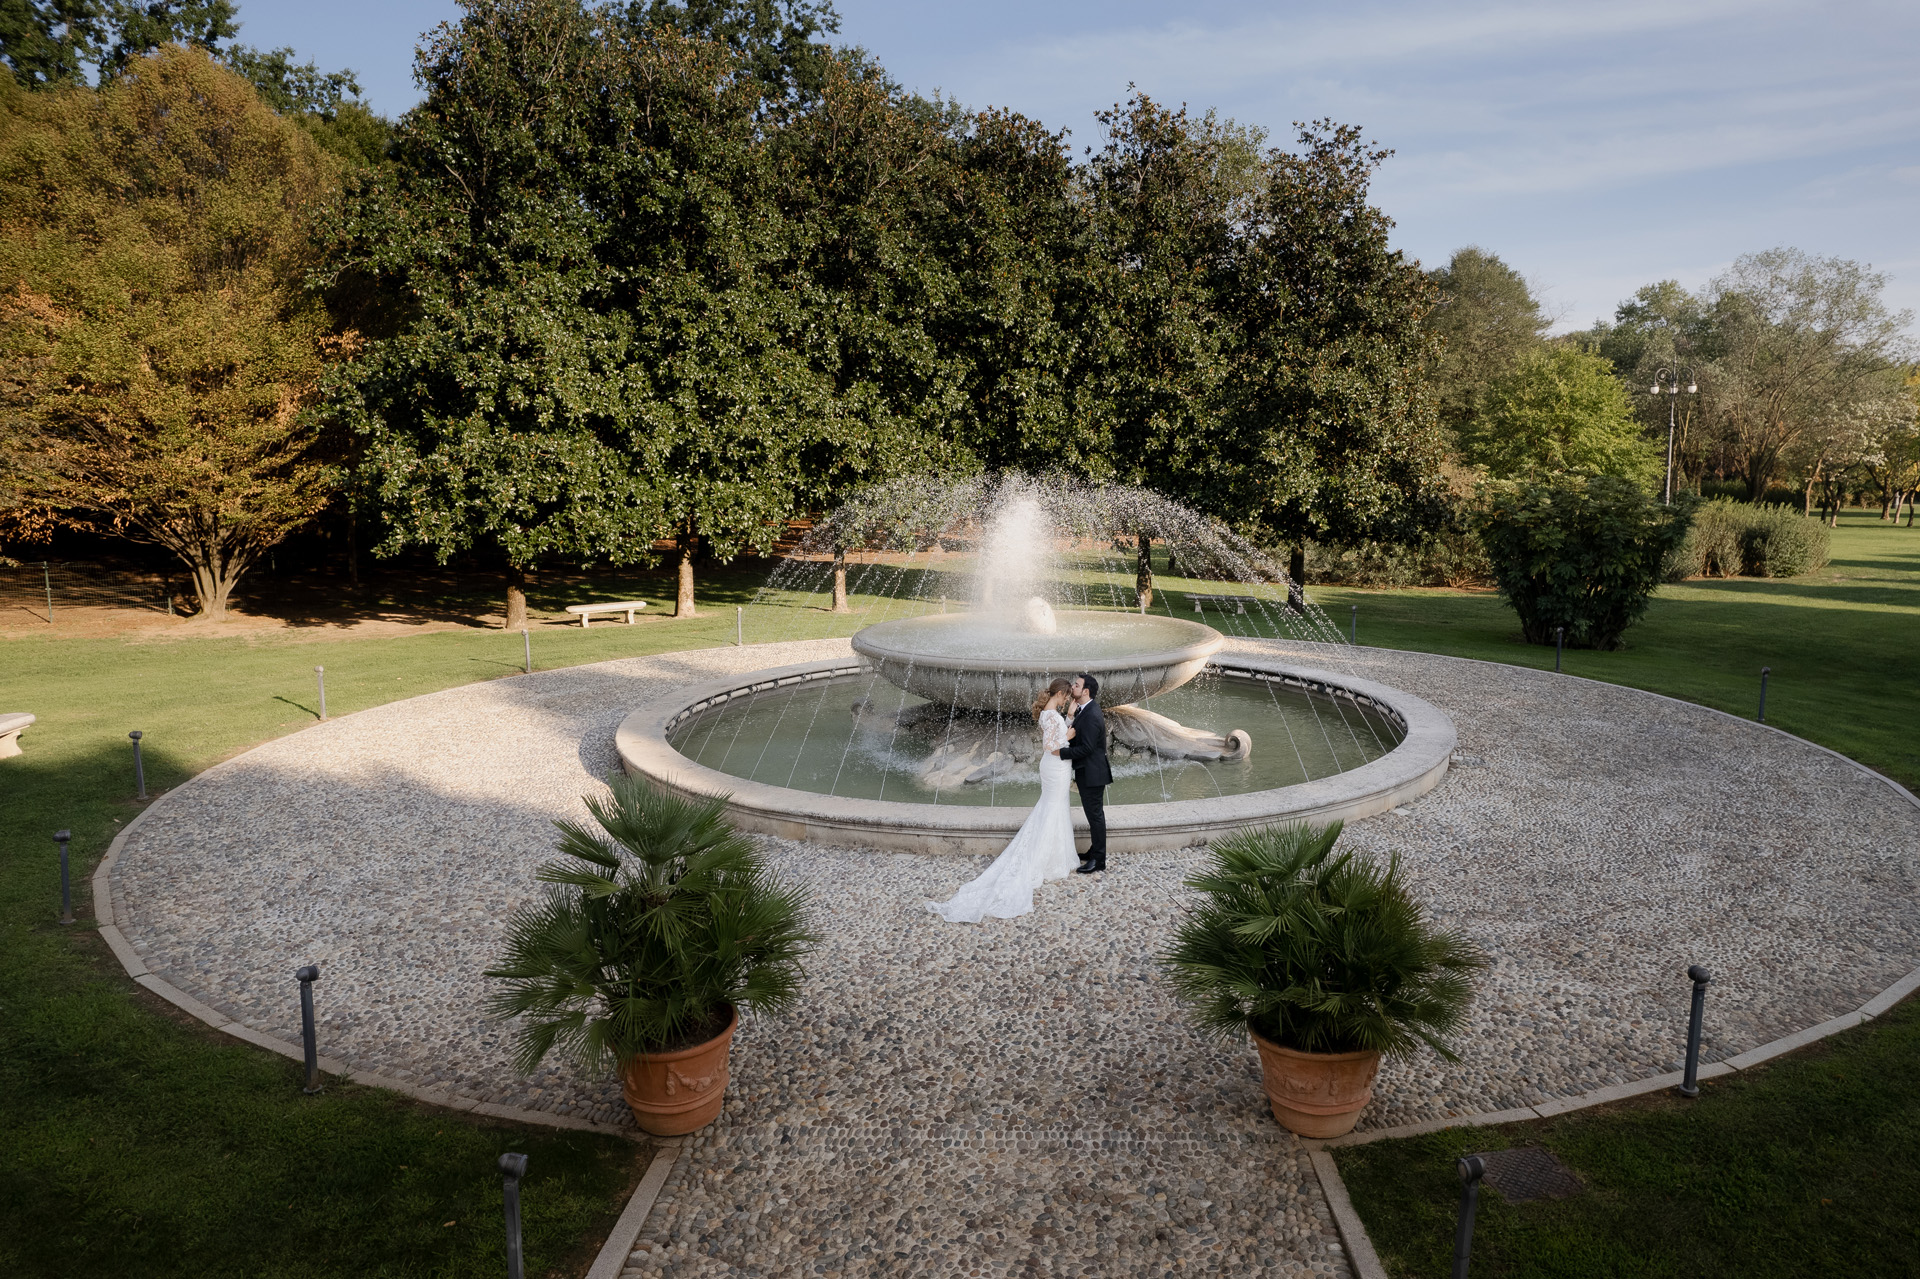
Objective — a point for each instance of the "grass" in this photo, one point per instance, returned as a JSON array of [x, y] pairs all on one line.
[[1840, 641], [142, 1144], [1803, 1167]]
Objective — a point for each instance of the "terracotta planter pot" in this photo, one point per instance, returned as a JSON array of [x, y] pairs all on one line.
[[677, 1092], [1316, 1094]]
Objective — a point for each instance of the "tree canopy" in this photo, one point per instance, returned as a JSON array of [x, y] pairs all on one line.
[[161, 350], [1558, 409]]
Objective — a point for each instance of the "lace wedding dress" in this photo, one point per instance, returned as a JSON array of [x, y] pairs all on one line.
[[1041, 850]]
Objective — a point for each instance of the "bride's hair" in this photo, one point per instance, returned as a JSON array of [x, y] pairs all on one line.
[[1047, 695]]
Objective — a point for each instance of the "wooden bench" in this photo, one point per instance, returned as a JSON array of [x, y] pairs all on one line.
[[629, 607], [11, 726], [1221, 601]]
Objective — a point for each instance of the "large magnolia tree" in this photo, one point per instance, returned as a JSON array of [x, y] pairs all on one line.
[[158, 345]]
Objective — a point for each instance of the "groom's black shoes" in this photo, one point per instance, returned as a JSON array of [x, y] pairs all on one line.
[[1088, 866]]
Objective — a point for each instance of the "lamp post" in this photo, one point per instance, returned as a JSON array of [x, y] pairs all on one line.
[[1667, 382]]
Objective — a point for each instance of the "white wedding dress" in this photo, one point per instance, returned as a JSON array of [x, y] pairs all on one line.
[[1042, 849]]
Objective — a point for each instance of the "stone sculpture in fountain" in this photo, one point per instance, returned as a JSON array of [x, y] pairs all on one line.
[[981, 670]]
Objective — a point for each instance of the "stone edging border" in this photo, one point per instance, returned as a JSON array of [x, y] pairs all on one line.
[[1353, 1232]]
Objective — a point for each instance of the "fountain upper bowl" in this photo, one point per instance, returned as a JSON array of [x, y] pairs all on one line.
[[978, 661]]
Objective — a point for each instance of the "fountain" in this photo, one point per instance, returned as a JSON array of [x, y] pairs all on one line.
[[920, 737]]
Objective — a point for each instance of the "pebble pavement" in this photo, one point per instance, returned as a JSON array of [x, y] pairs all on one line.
[[1023, 1097]]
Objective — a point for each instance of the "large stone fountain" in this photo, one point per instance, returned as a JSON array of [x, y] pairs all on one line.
[[954, 732]]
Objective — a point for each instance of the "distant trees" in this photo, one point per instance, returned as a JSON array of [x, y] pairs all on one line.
[[1797, 358], [161, 351]]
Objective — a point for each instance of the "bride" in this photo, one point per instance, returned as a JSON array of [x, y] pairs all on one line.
[[1043, 848]]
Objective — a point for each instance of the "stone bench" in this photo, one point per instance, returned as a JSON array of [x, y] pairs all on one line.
[[11, 726], [1239, 602], [629, 607]]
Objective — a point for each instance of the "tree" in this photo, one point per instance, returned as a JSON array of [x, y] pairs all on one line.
[[324, 103], [1328, 429], [142, 29], [161, 350], [48, 42], [1487, 320], [1796, 342], [499, 413], [600, 347], [1558, 409]]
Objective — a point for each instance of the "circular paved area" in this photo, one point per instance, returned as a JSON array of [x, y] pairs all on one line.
[[1024, 1095]]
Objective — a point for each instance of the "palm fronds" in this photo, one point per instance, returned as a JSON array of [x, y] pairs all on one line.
[[1317, 951], [660, 916]]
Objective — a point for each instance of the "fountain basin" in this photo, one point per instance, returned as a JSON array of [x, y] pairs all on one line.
[[1413, 767], [974, 660]]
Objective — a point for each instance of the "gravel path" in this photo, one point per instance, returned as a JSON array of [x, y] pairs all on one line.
[[1023, 1096]]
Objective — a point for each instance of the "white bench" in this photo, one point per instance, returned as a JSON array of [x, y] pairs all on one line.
[[629, 607], [10, 729], [1221, 601]]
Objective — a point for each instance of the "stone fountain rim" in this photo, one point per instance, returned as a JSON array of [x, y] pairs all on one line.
[[1406, 772], [1205, 646]]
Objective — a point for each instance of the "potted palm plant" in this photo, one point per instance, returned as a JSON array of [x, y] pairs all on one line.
[[1326, 960], [661, 923]]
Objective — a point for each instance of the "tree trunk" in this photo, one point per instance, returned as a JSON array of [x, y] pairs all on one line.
[[213, 582], [1806, 498], [839, 580], [683, 600], [516, 598], [353, 549], [1297, 579], [1143, 575]]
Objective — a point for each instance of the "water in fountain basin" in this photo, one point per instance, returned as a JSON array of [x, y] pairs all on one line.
[[812, 738]]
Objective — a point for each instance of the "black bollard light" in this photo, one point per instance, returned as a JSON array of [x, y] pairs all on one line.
[[1472, 1169], [309, 975], [1764, 672], [1690, 1081], [320, 673], [1353, 627], [61, 837], [514, 1167], [139, 769], [1559, 646]]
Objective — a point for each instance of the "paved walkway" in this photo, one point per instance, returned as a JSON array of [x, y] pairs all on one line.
[[1023, 1097]]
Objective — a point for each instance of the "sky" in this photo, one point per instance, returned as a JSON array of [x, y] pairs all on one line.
[[1594, 147]]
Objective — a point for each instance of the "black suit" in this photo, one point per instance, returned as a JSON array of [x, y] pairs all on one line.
[[1088, 754]]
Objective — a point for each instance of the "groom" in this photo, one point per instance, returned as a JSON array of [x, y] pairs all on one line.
[[1088, 753]]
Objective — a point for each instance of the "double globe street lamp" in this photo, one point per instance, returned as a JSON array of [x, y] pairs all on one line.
[[1667, 382]]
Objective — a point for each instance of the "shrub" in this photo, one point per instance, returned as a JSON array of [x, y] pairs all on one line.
[[1583, 552], [663, 918], [1713, 544], [1780, 542], [1317, 952]]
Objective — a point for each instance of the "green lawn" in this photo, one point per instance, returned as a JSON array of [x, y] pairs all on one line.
[[1803, 1167], [141, 1145], [1843, 642]]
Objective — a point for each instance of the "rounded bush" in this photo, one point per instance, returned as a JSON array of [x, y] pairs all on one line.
[[1778, 542]]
